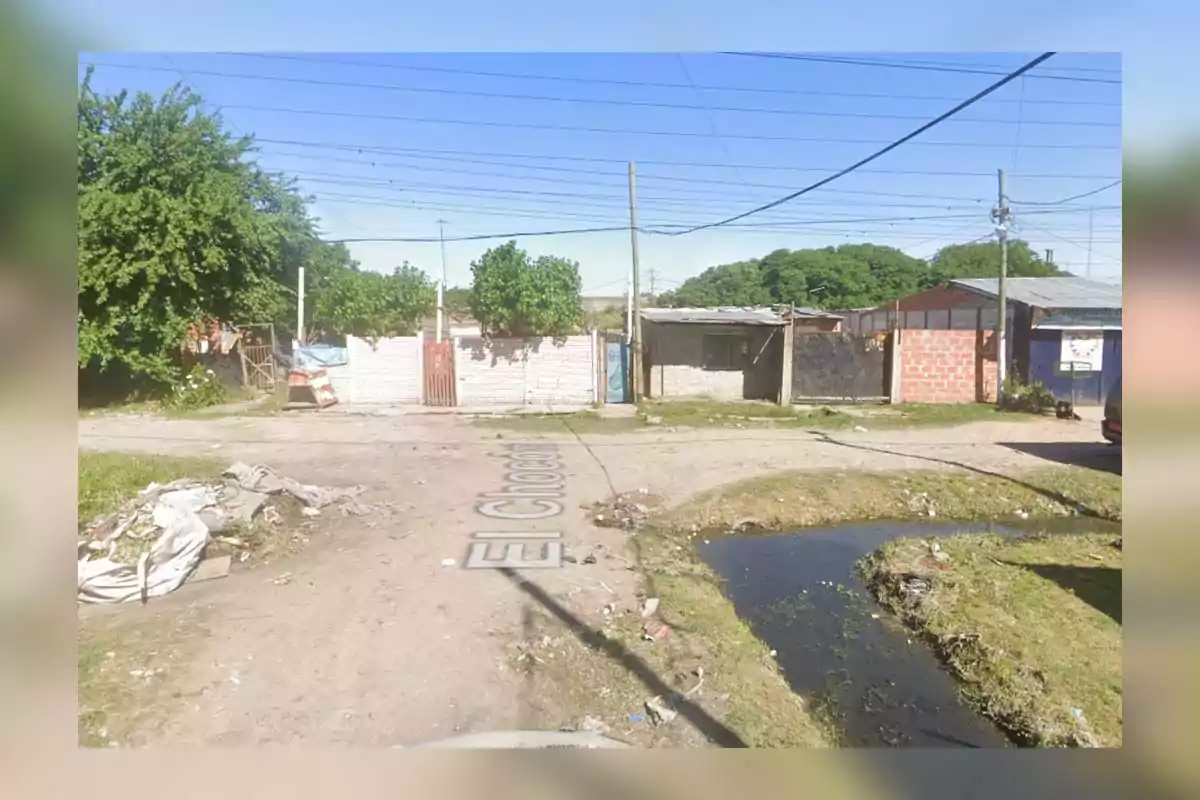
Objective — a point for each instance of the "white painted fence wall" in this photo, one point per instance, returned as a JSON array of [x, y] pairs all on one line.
[[525, 372], [388, 372]]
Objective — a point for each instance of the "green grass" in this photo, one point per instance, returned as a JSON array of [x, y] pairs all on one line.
[[799, 498], [1032, 628], [750, 414], [106, 480]]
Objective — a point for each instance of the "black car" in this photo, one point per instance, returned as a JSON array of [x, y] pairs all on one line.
[[1111, 426]]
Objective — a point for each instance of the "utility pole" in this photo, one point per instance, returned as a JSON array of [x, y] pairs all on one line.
[[441, 287], [1001, 214], [651, 275], [629, 308], [635, 346], [300, 306], [1091, 214]]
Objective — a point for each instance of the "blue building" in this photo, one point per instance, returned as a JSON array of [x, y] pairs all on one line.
[[1064, 332]]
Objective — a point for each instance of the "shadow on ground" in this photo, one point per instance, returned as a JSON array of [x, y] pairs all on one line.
[[1057, 497], [1099, 587], [1093, 455], [711, 728]]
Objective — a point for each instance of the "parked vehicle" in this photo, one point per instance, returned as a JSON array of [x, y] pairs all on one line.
[[1110, 428]]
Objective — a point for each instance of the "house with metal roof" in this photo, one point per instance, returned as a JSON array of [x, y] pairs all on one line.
[[719, 353], [1063, 331]]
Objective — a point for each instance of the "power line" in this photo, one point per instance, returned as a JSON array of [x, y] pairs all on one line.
[[652, 84], [915, 66], [877, 154], [585, 100], [476, 237], [1072, 197], [455, 155], [635, 131]]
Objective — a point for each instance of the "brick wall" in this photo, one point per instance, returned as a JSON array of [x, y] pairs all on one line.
[[519, 372], [947, 366]]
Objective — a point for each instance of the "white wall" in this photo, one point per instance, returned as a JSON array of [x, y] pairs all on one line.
[[387, 372], [676, 355], [520, 372]]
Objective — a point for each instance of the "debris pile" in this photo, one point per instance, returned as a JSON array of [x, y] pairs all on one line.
[[919, 503], [629, 511], [154, 544]]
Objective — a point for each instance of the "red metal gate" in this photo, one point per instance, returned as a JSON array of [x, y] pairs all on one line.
[[439, 373]]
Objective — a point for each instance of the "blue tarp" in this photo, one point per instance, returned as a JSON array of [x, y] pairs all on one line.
[[321, 355]]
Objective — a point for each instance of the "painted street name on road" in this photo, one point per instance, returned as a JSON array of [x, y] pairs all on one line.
[[533, 491]]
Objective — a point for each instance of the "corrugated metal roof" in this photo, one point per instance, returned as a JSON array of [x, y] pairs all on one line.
[[1059, 292], [714, 316], [817, 313]]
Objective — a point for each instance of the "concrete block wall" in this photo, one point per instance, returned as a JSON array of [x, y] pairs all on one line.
[[682, 380], [387, 372], [947, 366], [521, 372]]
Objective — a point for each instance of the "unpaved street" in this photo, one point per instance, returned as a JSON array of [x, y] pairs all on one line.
[[373, 641]]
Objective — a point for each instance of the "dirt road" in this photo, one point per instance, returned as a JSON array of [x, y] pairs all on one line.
[[372, 641]]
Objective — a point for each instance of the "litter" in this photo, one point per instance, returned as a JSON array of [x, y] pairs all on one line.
[[178, 520], [654, 631], [660, 710], [649, 607], [859, 429], [448, 562]]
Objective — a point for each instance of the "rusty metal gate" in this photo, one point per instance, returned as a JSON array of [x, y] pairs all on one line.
[[841, 368], [439, 373]]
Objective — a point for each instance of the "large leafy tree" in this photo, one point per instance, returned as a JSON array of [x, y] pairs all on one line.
[[174, 225], [515, 295], [848, 276], [372, 305], [982, 260]]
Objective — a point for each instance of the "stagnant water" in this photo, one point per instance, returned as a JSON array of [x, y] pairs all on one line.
[[800, 594]]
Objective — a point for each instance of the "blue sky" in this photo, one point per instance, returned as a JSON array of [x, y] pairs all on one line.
[[381, 166]]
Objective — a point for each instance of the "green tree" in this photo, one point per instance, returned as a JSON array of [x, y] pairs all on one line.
[[175, 224], [513, 295], [372, 305], [982, 260]]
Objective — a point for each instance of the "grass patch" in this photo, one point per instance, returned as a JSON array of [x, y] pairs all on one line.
[[1031, 627], [106, 480], [800, 498], [124, 672], [667, 414]]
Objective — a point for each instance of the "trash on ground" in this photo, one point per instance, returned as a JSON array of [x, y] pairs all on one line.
[[570, 559], [939, 555], [590, 558], [636, 718], [282, 580], [309, 511], [748, 524], [448, 562], [913, 585], [859, 429], [654, 631], [661, 712], [177, 521], [649, 607], [629, 511]]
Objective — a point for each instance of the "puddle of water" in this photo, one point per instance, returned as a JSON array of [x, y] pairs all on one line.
[[799, 594]]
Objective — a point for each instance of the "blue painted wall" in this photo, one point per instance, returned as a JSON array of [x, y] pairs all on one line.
[[617, 367], [1045, 351]]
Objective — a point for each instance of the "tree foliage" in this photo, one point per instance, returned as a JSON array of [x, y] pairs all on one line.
[[848, 276], [372, 305], [515, 295], [178, 223]]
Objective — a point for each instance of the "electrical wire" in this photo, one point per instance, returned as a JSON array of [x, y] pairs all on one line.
[[879, 153], [1068, 199], [455, 155], [585, 100], [914, 66], [651, 84], [639, 132]]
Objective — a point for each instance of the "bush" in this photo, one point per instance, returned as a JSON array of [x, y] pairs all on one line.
[[1032, 398], [198, 389]]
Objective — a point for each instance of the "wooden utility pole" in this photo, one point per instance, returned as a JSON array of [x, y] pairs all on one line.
[[1001, 214], [635, 346], [300, 306]]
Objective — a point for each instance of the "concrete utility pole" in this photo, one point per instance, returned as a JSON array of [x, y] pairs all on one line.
[[635, 346], [1091, 215], [300, 306], [1001, 215], [441, 287]]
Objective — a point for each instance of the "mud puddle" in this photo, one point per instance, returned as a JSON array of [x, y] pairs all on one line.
[[800, 594]]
